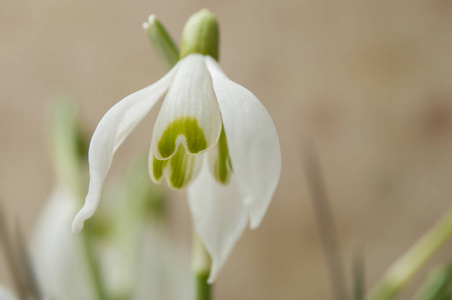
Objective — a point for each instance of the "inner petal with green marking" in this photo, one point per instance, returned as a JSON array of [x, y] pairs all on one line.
[[219, 162], [188, 127], [180, 169], [157, 168]]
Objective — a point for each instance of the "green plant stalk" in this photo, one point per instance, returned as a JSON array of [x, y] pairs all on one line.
[[410, 263], [201, 264]]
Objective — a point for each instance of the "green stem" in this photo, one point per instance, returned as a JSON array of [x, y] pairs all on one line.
[[93, 264], [201, 264], [407, 266], [203, 289]]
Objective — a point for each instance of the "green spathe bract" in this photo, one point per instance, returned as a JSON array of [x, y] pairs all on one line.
[[188, 127], [162, 42]]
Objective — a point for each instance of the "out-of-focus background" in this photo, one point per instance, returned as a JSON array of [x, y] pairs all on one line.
[[368, 81]]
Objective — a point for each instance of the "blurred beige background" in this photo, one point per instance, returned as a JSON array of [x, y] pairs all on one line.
[[369, 81]]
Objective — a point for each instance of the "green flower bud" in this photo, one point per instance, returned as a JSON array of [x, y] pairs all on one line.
[[201, 35]]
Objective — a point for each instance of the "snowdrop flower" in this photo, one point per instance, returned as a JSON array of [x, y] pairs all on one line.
[[212, 136]]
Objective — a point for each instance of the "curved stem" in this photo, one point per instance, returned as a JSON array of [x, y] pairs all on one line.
[[407, 266]]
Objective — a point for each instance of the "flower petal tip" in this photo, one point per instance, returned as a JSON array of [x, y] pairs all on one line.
[[214, 270], [77, 225], [255, 223]]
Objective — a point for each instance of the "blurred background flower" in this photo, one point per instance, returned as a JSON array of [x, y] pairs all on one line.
[[60, 264], [125, 252]]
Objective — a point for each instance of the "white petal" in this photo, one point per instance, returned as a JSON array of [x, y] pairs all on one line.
[[218, 214], [57, 253], [114, 127], [189, 113], [6, 294], [252, 142]]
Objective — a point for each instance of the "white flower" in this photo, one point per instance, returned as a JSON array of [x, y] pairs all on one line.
[[212, 136]]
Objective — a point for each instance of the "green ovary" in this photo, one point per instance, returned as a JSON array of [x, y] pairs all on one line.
[[187, 126]]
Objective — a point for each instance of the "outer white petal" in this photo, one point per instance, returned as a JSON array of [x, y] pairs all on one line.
[[114, 127], [191, 103], [252, 142], [218, 214], [57, 254]]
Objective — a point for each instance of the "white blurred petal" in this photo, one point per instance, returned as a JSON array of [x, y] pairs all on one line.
[[189, 113], [252, 142], [57, 255], [6, 294], [163, 270], [111, 131], [218, 214]]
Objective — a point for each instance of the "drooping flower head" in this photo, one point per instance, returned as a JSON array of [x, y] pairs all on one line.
[[212, 136]]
